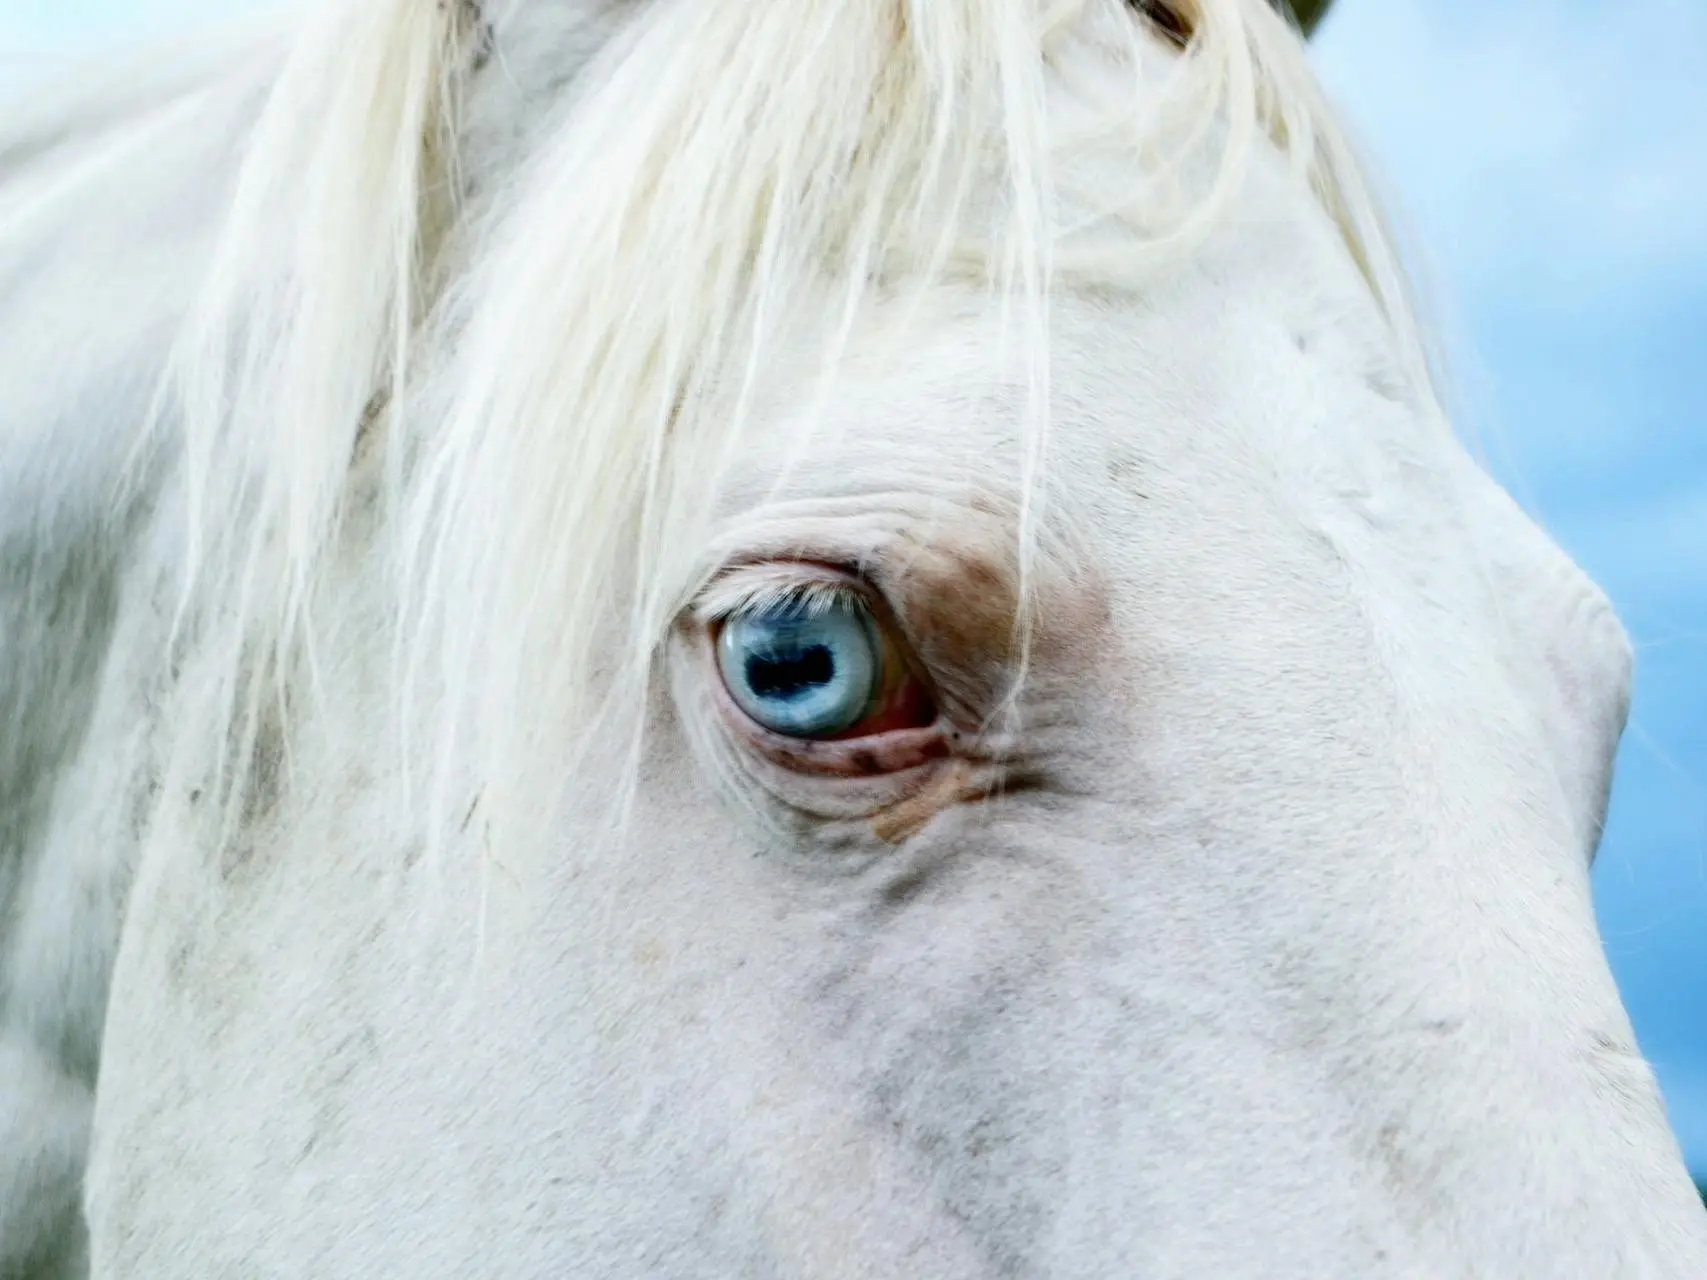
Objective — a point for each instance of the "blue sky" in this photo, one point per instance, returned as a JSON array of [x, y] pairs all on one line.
[[1550, 158]]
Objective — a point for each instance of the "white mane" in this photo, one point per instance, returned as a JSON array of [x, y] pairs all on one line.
[[555, 378]]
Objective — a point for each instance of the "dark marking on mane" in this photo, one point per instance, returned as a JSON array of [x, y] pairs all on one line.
[[485, 34]]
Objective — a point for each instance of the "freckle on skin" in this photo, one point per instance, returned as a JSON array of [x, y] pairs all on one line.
[[950, 787]]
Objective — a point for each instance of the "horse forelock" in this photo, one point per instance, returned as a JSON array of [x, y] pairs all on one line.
[[580, 355]]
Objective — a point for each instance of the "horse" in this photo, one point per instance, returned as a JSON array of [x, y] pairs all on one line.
[[688, 638]]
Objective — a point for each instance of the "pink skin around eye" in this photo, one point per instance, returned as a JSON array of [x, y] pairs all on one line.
[[908, 707]]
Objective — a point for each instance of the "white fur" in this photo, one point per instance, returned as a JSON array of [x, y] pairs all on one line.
[[492, 339]]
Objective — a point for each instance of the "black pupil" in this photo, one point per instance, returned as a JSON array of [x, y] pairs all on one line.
[[785, 671]]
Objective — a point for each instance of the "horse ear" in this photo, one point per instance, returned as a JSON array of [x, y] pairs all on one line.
[[1175, 18], [1307, 13], [1168, 18]]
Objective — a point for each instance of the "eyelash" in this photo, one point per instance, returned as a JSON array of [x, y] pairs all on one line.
[[770, 586]]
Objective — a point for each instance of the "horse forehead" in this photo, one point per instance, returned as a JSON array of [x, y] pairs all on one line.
[[1231, 388]]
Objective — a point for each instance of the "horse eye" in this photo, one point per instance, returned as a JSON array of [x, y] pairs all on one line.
[[802, 670]]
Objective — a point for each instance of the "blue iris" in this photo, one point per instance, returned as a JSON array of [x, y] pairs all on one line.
[[803, 670]]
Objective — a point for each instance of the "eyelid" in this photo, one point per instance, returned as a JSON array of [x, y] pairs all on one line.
[[756, 587]]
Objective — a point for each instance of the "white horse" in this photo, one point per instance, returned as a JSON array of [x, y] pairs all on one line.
[[675, 638]]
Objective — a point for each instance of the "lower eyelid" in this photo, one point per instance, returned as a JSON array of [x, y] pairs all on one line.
[[871, 756]]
